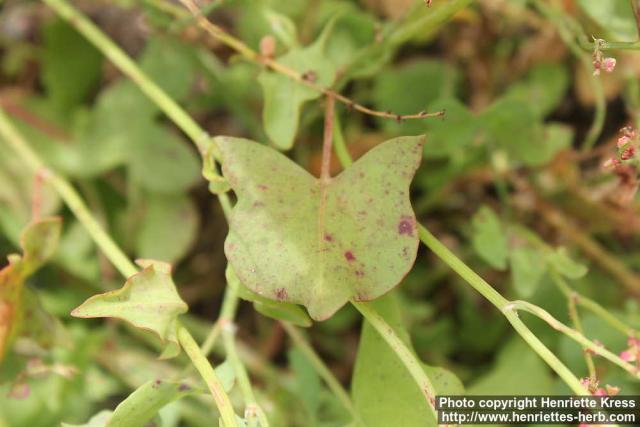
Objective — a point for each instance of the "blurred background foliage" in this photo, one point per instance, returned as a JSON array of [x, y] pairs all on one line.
[[503, 182]]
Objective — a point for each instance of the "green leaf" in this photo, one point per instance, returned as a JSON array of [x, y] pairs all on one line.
[[318, 243], [517, 371], [383, 391], [307, 384], [68, 79], [565, 265], [543, 88], [98, 420], [39, 241], [162, 162], [159, 236], [514, 126], [145, 402], [148, 300], [527, 268], [616, 17], [454, 133], [170, 64], [489, 238], [411, 88], [282, 27], [268, 307], [284, 98]]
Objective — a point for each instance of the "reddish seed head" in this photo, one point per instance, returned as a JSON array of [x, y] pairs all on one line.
[[628, 153]]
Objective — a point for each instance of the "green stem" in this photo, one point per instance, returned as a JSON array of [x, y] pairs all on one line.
[[409, 359], [575, 335], [487, 291], [227, 314], [577, 324], [564, 25], [209, 375], [69, 195], [593, 306], [130, 68], [102, 239], [322, 370]]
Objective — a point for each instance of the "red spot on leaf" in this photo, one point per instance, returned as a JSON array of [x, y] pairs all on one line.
[[281, 294], [328, 237], [359, 273], [349, 256], [262, 187], [405, 226]]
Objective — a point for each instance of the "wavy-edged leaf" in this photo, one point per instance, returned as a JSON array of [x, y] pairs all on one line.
[[39, 241], [299, 239], [148, 300]]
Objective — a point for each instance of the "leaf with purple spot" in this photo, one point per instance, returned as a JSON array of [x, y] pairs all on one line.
[[321, 243]]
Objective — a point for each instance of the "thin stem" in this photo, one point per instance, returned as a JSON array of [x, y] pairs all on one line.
[[227, 314], [340, 146], [564, 24], [129, 67], [327, 139], [575, 319], [302, 78], [575, 335], [201, 363], [591, 248], [487, 291], [409, 359], [322, 370], [592, 306], [70, 196]]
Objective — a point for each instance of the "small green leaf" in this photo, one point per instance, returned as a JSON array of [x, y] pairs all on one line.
[[543, 88], [565, 265], [98, 420], [514, 126], [39, 241], [158, 237], [527, 268], [284, 98], [517, 371], [282, 27], [68, 79], [489, 238], [307, 384], [454, 133], [320, 243], [267, 307], [162, 162], [616, 17], [145, 402], [148, 300], [383, 391]]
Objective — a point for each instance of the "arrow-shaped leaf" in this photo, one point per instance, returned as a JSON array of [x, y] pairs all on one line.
[[315, 242], [148, 300]]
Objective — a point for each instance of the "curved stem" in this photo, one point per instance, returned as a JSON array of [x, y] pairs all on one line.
[[301, 78], [574, 335], [563, 24], [70, 196], [407, 357], [592, 306], [322, 370], [227, 314], [487, 291], [209, 375]]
